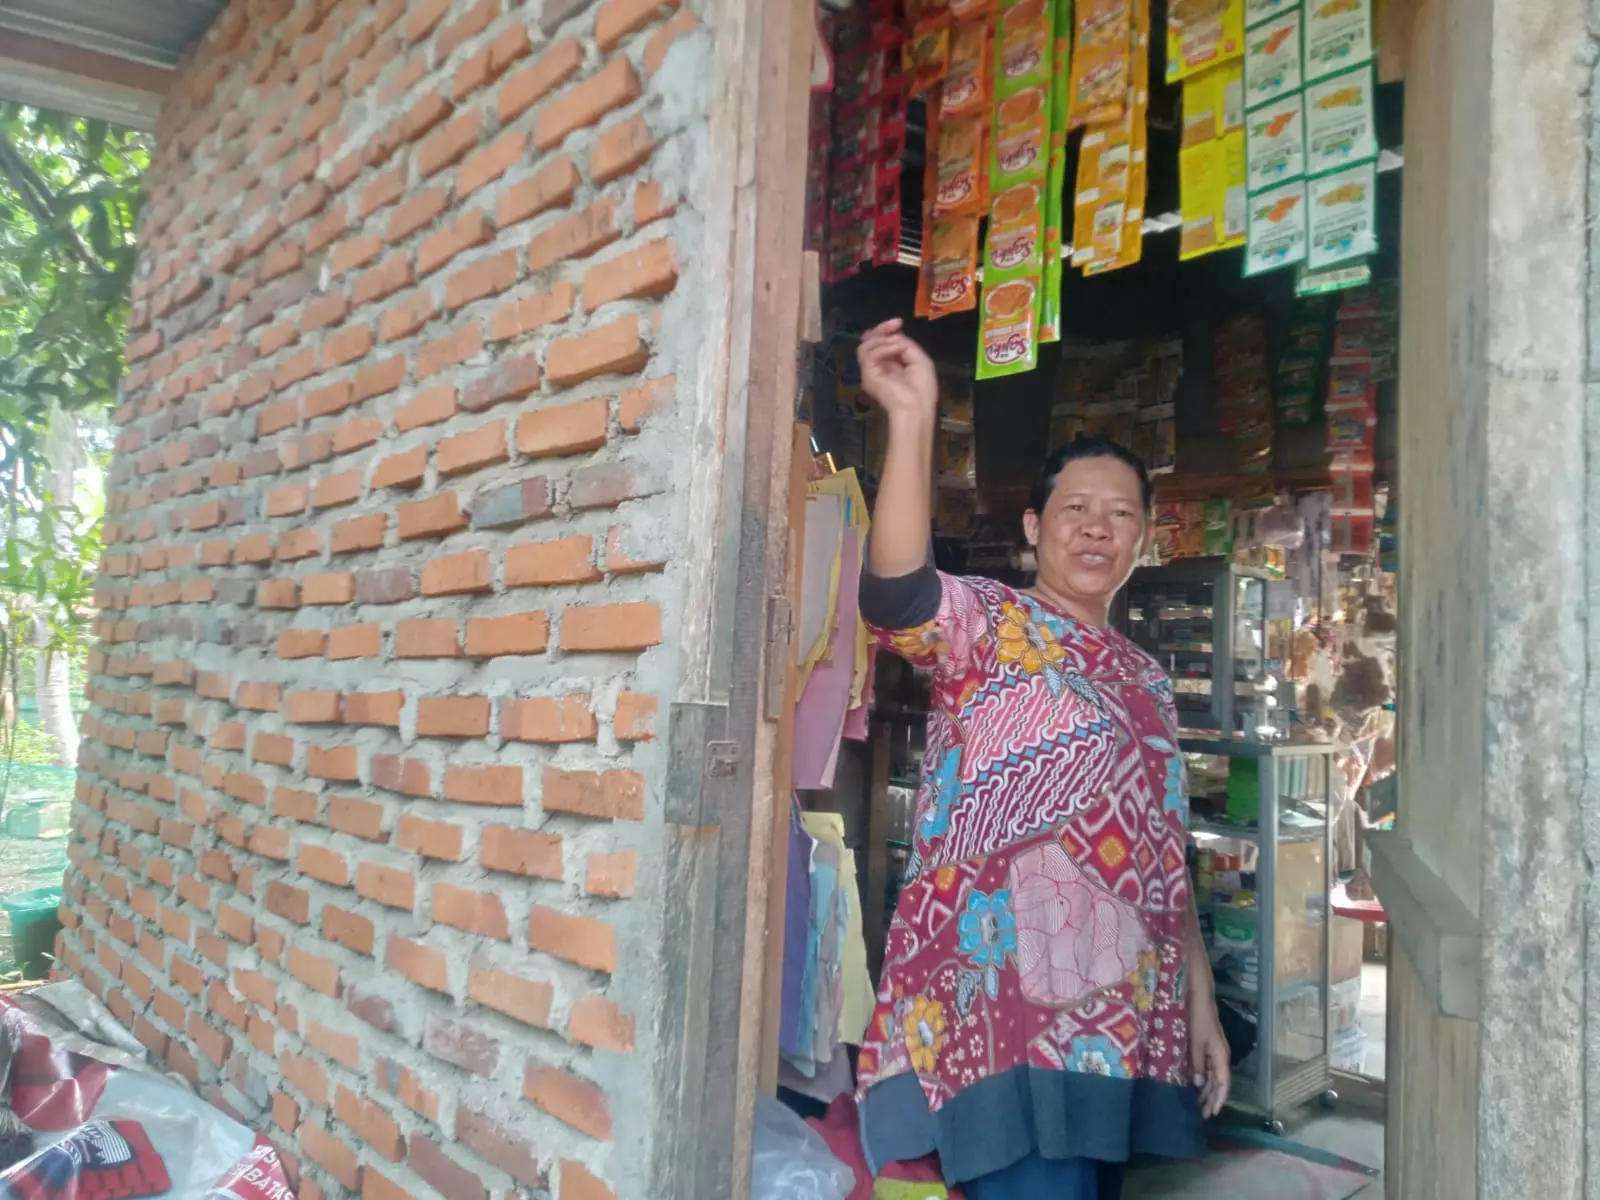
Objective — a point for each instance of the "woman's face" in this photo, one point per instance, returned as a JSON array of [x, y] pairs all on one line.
[[1091, 532]]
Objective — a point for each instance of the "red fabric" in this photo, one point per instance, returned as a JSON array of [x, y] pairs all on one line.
[[841, 1129]]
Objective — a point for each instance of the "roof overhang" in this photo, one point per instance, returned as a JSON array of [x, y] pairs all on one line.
[[111, 59]]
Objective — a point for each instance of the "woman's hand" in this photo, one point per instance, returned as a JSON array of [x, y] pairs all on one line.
[[1208, 1054], [897, 373]]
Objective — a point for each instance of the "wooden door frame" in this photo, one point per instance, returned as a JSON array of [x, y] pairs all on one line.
[[722, 807]]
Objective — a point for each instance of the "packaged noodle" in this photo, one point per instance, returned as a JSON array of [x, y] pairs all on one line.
[[1275, 142], [1016, 229], [1201, 34], [1023, 45], [1022, 138], [950, 267], [1277, 228], [1101, 61], [958, 154], [1272, 59], [1340, 129], [1213, 104], [925, 60], [1105, 158], [1338, 36], [1008, 328], [1060, 97], [965, 91], [1202, 189], [1342, 216]]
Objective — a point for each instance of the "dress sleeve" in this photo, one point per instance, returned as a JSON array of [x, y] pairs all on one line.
[[927, 618]]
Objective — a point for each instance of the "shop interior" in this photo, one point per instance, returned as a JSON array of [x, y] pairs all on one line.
[[1254, 368]]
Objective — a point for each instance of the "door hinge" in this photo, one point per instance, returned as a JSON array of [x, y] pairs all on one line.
[[776, 666], [722, 759]]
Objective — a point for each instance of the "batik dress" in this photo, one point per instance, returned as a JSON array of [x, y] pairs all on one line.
[[1032, 995]]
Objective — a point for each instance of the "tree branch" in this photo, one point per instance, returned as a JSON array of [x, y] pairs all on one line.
[[38, 197]]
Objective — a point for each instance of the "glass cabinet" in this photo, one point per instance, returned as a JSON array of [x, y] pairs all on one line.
[[1204, 621], [1262, 882]]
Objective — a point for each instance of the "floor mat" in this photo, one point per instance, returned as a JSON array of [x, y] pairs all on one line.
[[1233, 1172]]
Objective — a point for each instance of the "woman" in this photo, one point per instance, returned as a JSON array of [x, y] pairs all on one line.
[[1046, 1005]]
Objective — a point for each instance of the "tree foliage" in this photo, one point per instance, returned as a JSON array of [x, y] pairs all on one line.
[[70, 196]]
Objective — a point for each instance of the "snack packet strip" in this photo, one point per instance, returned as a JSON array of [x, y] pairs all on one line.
[[1056, 179]]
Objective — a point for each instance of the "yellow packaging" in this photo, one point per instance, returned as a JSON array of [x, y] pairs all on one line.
[[1101, 62], [1202, 34], [1213, 104]]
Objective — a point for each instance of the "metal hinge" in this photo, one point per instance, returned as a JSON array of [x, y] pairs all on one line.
[[722, 759], [776, 666]]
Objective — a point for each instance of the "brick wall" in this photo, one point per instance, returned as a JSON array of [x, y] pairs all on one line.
[[371, 778]]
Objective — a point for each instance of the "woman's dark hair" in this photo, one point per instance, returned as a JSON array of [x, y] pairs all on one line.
[[1089, 447]]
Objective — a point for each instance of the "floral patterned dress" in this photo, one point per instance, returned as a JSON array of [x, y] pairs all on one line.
[[1032, 996]]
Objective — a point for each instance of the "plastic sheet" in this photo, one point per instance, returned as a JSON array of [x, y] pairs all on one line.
[[85, 1117], [791, 1161]]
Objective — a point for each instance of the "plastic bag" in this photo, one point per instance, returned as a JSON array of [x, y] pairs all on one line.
[[791, 1161]]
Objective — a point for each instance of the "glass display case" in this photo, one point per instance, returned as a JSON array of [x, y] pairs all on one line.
[[1205, 621], [1262, 881]]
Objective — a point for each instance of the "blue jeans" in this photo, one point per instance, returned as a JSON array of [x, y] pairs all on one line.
[[1036, 1178]]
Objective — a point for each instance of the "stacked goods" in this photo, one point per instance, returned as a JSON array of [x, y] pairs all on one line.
[[1243, 392], [1109, 99], [862, 145], [1019, 162], [1297, 389], [1124, 391], [1359, 355]]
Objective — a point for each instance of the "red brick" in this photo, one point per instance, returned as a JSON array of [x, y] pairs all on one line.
[[611, 628], [453, 716], [370, 1123], [552, 186], [427, 638], [617, 19], [563, 430], [393, 275], [576, 236], [319, 862], [614, 349], [548, 719], [531, 84], [525, 1000], [416, 212], [351, 344], [573, 1101], [466, 27], [447, 145], [424, 116], [638, 403], [652, 270], [494, 786], [520, 633], [490, 163], [358, 533], [382, 191], [512, 1154], [373, 708], [407, 317], [428, 407], [376, 379], [392, 887], [357, 434], [355, 641], [443, 1174], [347, 929], [403, 470], [596, 1021], [481, 913], [547, 564], [331, 1154], [420, 964], [355, 252], [336, 763], [614, 85], [580, 940], [517, 317], [318, 974], [470, 228], [434, 517], [609, 795], [431, 839], [521, 852], [578, 1184], [449, 351], [613, 876], [635, 717], [457, 574], [486, 277], [337, 490], [621, 150]]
